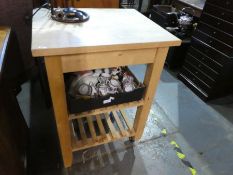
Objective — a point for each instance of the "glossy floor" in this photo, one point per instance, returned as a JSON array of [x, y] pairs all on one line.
[[203, 131]]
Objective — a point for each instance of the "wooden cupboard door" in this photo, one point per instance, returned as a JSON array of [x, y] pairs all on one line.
[[13, 135], [94, 3], [13, 129], [16, 14]]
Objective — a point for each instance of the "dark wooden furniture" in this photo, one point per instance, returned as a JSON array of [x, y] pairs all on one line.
[[208, 68], [13, 128], [197, 6], [91, 3], [176, 55], [17, 15], [14, 71]]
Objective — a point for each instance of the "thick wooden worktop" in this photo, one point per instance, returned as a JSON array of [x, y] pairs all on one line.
[[107, 30]]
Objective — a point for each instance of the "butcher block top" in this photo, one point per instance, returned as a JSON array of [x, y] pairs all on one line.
[[106, 30]]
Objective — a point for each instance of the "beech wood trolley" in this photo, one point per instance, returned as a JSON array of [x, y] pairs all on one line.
[[111, 38]]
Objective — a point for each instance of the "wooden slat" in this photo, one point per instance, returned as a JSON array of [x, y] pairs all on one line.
[[119, 123], [79, 145], [113, 131], [74, 137], [100, 125], [106, 109], [81, 62], [128, 123], [91, 127], [82, 131]]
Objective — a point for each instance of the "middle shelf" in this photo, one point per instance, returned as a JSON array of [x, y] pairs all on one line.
[[102, 89], [100, 129], [107, 109]]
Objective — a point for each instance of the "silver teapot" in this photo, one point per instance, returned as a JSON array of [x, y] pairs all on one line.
[[185, 21]]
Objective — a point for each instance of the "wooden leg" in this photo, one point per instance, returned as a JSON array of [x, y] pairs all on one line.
[[151, 81], [57, 90]]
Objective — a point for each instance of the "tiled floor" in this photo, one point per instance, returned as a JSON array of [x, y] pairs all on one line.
[[203, 131]]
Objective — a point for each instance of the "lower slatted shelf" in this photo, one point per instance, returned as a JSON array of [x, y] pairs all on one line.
[[100, 129]]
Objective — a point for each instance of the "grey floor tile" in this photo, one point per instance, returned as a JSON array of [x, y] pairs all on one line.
[[194, 157], [201, 125], [220, 159], [157, 120], [201, 130], [151, 157]]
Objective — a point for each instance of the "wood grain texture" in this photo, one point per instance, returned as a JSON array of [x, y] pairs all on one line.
[[128, 123], [103, 138], [91, 127], [107, 30], [119, 123], [57, 90], [106, 109], [82, 131], [100, 125], [113, 131], [151, 81], [98, 60]]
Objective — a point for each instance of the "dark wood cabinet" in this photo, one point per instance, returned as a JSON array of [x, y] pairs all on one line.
[[13, 128], [13, 135], [17, 15], [88, 3], [208, 67]]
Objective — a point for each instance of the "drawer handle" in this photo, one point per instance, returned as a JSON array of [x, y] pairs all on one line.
[[193, 79], [218, 23], [222, 13], [202, 58], [196, 72], [214, 33], [228, 2], [199, 65], [210, 41]]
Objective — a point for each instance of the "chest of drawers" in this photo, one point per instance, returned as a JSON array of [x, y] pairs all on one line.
[[208, 67]]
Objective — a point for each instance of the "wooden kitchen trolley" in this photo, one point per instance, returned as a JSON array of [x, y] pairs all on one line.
[[111, 38]]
